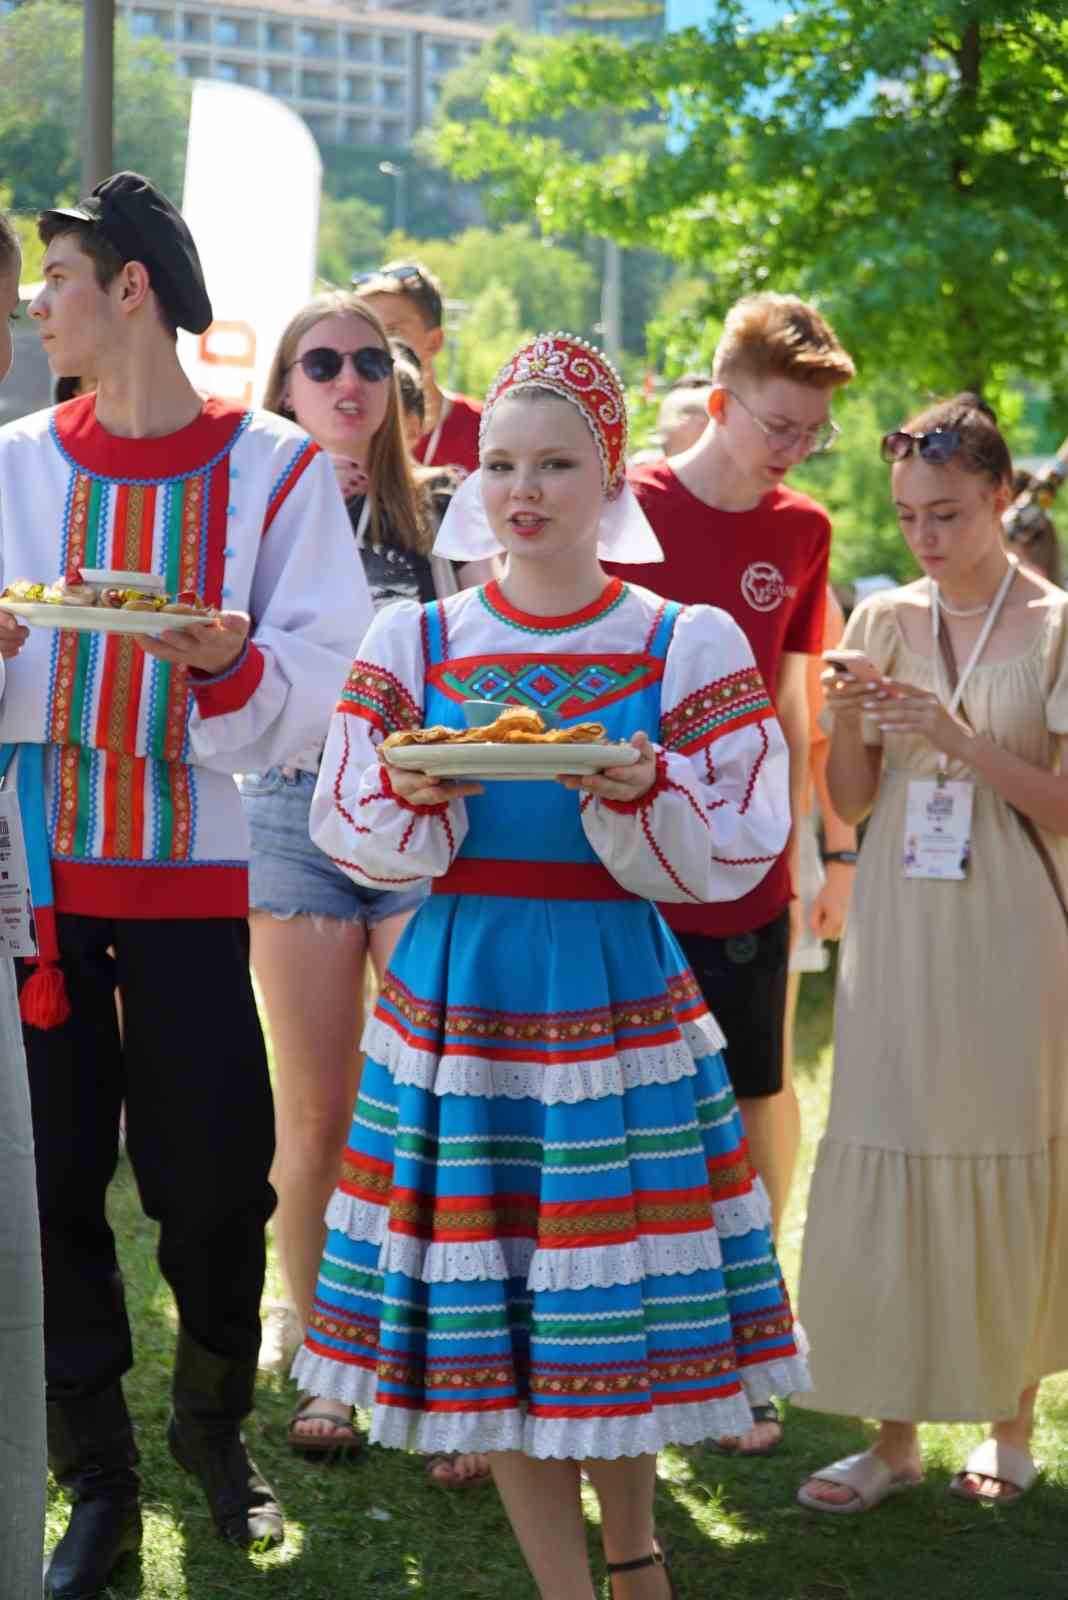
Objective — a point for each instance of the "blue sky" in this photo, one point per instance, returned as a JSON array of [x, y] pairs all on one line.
[[691, 13]]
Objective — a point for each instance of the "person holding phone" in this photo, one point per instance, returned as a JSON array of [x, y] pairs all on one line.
[[933, 1282]]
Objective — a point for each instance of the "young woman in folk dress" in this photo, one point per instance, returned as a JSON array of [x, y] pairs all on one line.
[[933, 1283], [548, 1243]]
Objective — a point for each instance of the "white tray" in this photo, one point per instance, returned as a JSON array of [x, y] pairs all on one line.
[[98, 619], [511, 761]]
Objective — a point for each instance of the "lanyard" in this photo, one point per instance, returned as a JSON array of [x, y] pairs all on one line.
[[955, 698], [435, 438], [364, 519]]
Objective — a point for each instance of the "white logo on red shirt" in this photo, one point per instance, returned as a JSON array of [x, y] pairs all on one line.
[[764, 586]]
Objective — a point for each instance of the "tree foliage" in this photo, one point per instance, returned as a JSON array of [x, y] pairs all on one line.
[[552, 286], [40, 105], [352, 238], [905, 166], [589, 133]]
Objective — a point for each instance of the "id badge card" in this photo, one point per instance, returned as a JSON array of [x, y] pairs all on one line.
[[17, 932], [938, 828]]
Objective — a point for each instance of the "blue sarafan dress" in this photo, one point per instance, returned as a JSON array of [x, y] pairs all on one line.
[[547, 1235]]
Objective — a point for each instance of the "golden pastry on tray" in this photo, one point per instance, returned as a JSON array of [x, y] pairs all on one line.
[[515, 725]]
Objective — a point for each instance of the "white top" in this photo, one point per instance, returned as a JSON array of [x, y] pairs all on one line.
[[709, 832]]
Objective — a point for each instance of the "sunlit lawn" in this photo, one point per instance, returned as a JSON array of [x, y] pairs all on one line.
[[376, 1529]]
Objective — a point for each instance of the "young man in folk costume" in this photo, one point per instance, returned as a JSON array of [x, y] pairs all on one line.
[[122, 750], [408, 299], [734, 536]]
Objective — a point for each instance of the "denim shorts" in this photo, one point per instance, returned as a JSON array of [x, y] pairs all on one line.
[[289, 876]]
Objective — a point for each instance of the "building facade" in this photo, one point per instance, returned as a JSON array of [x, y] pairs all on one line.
[[356, 76], [630, 21]]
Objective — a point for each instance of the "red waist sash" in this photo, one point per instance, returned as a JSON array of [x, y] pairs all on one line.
[[532, 880]]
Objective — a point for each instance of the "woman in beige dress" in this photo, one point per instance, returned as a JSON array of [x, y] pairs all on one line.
[[934, 1283]]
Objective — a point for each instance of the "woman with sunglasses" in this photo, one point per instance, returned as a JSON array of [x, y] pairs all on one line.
[[934, 1285], [312, 927]]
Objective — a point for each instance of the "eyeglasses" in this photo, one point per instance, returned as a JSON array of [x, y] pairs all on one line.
[[406, 272], [788, 435], [937, 447], [322, 365]]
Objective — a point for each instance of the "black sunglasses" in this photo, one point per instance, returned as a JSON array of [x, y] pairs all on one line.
[[407, 272], [322, 364], [937, 447]]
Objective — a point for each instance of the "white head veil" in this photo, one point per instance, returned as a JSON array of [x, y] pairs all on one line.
[[576, 372]]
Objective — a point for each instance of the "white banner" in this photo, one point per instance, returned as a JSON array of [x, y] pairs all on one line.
[[252, 181]]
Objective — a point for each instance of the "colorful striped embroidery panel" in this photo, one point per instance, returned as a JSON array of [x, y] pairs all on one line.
[[123, 789]]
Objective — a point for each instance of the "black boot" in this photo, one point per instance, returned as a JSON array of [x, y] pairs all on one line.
[[211, 1396], [92, 1453]]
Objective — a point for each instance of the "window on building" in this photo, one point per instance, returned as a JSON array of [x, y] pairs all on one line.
[[196, 29], [392, 49], [235, 33], [193, 66], [279, 80], [391, 92], [318, 86], [316, 42], [358, 130], [234, 72], [358, 46], [151, 24], [357, 88], [323, 127], [443, 57], [392, 130]]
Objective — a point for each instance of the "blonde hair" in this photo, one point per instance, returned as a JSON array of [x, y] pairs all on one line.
[[780, 336], [395, 499]]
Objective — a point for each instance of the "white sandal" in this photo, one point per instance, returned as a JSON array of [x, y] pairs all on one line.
[[1003, 1462], [866, 1474]]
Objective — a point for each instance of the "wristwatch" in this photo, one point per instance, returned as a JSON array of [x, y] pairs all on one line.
[[847, 857]]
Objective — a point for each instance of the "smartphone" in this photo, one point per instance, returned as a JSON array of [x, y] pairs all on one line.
[[853, 664]]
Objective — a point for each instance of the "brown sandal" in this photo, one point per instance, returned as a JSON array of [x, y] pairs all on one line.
[[322, 1445], [446, 1458]]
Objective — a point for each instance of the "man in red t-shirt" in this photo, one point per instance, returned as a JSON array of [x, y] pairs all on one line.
[[735, 536], [408, 299]]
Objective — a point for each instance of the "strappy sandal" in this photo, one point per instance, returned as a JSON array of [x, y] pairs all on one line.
[[769, 1412], [447, 1458], [657, 1559], [1002, 1462], [323, 1445]]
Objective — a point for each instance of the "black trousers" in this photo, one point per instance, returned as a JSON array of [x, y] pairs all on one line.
[[191, 1066]]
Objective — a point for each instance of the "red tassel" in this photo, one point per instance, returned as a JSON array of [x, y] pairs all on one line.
[[43, 1002]]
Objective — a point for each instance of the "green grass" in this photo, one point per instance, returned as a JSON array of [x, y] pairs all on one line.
[[375, 1529]]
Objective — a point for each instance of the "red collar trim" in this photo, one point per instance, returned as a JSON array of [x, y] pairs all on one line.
[[609, 597], [107, 455]]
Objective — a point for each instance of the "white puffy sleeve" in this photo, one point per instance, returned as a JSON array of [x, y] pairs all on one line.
[[718, 814], [369, 832], [310, 607]]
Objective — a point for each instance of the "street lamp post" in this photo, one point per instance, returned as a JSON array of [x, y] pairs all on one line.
[[98, 90], [399, 176]]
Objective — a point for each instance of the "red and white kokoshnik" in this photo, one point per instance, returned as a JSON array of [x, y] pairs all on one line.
[[585, 377], [578, 372]]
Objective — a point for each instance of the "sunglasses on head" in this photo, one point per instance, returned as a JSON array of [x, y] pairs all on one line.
[[936, 448], [323, 365], [407, 272]]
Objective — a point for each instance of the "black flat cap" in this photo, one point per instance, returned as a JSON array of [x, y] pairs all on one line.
[[139, 220]]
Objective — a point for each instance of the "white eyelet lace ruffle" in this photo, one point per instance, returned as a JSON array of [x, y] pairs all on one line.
[[594, 1438], [566, 1084]]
